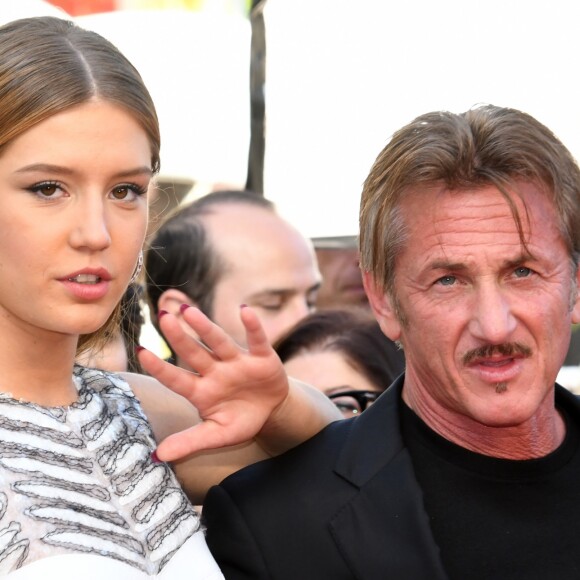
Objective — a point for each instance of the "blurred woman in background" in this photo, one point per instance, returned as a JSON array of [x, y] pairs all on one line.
[[344, 354]]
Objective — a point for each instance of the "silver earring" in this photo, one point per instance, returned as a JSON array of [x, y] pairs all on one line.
[[138, 268]]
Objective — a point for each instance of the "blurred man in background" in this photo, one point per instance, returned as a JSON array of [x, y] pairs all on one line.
[[228, 249]]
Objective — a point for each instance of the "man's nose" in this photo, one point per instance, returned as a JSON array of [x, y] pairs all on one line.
[[493, 320]]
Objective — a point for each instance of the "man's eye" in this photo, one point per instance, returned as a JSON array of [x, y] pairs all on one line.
[[447, 280], [272, 307], [522, 272]]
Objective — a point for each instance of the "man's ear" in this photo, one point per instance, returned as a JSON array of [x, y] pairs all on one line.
[[382, 307], [171, 301], [576, 301]]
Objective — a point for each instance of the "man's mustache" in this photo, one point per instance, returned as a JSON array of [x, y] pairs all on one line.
[[505, 349]]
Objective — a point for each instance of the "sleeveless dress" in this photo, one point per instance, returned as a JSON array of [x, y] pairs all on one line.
[[80, 496]]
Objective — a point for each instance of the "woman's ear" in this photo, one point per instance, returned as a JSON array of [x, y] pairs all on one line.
[[382, 307]]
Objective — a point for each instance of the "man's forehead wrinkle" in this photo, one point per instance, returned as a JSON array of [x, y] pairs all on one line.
[[446, 235], [453, 228], [449, 213], [454, 252]]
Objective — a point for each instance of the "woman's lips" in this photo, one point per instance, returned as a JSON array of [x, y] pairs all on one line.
[[84, 290], [87, 284]]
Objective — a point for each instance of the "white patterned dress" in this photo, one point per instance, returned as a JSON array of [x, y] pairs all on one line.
[[80, 496]]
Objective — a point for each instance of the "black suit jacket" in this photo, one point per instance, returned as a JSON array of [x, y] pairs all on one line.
[[345, 504]]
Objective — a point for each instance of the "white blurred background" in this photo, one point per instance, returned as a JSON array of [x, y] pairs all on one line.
[[341, 76]]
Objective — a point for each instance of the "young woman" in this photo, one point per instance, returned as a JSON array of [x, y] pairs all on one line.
[[79, 148]]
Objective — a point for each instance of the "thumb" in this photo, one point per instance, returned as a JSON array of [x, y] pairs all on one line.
[[201, 437]]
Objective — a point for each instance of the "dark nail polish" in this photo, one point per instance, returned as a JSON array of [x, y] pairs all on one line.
[[183, 308], [161, 314], [243, 305], [138, 348], [154, 457]]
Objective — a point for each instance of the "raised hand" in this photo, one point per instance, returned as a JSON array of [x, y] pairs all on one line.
[[235, 390]]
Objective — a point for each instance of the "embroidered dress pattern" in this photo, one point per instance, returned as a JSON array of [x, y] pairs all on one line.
[[80, 479]]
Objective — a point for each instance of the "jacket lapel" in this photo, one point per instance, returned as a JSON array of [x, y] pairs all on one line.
[[383, 532]]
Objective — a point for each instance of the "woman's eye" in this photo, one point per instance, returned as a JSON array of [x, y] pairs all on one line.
[[122, 192], [127, 191], [350, 408], [46, 190]]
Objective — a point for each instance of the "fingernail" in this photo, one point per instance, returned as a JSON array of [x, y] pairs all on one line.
[[154, 457], [184, 307], [138, 348], [243, 305], [161, 314]]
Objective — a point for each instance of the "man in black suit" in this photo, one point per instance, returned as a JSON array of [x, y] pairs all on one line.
[[468, 466]]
